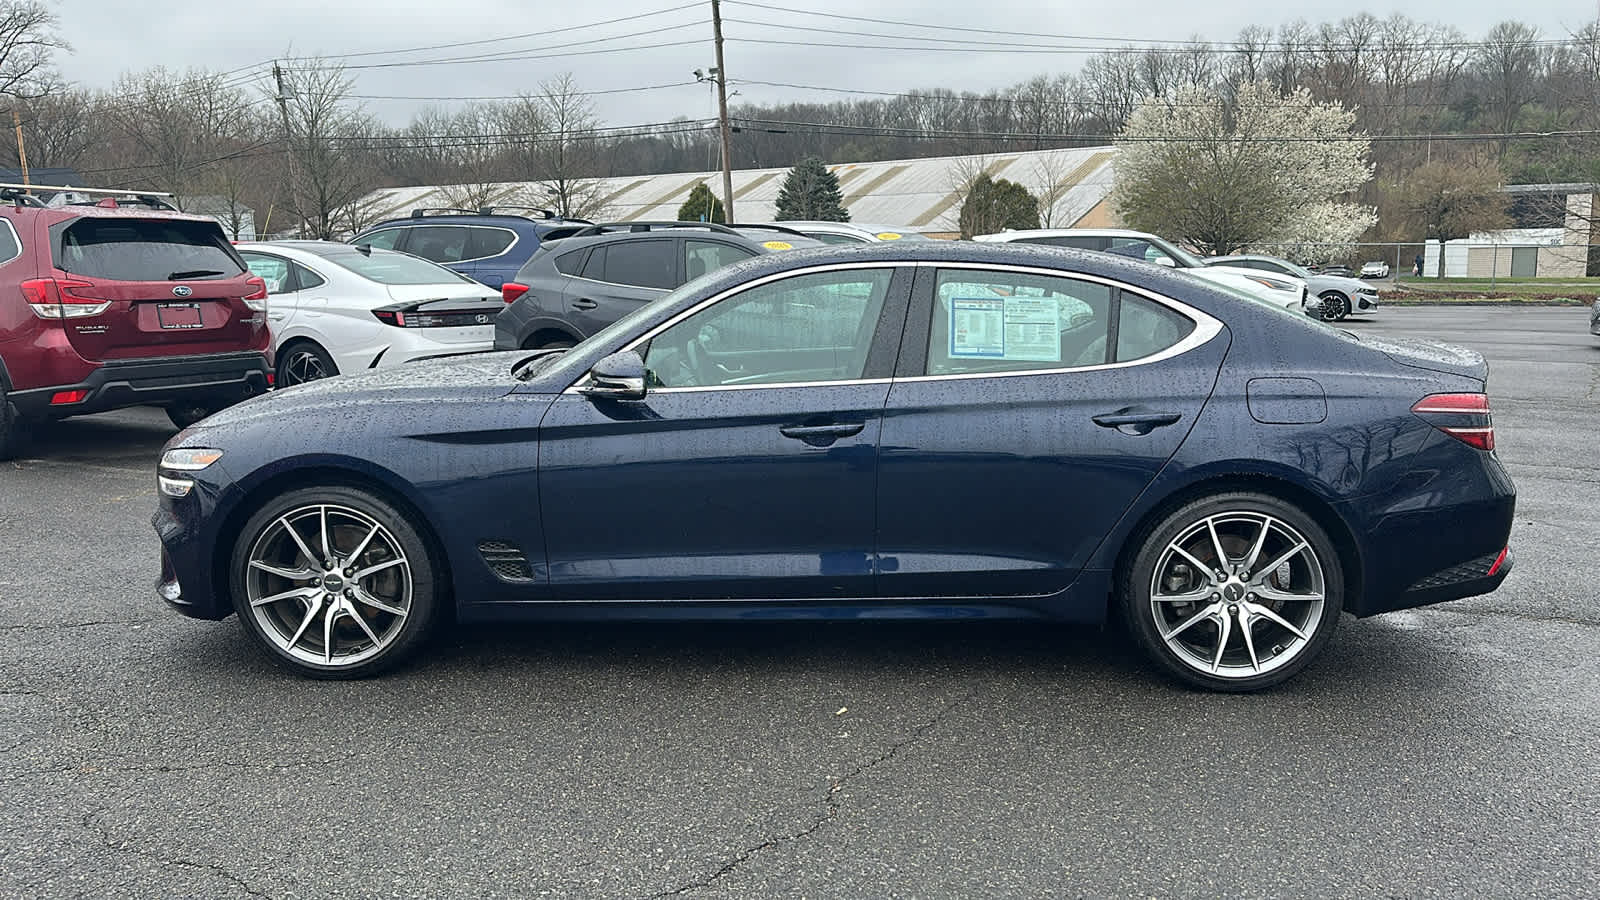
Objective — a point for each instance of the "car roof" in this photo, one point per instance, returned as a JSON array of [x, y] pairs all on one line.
[[851, 227], [1014, 233], [498, 220], [614, 237]]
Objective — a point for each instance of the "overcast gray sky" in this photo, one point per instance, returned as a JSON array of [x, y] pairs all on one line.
[[234, 35]]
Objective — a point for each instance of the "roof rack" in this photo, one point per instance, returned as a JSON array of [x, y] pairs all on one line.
[[421, 211], [538, 211], [27, 195], [622, 227]]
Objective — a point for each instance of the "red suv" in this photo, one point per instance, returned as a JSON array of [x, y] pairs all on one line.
[[114, 304]]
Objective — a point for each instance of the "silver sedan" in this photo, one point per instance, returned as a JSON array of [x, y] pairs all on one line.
[[1341, 296]]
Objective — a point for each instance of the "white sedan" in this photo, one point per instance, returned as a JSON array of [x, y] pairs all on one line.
[[339, 308]]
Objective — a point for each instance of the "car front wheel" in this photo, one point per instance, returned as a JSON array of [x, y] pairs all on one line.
[[333, 582], [1335, 306], [1234, 592]]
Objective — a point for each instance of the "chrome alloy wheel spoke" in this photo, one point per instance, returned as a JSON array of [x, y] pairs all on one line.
[[327, 608], [1237, 594]]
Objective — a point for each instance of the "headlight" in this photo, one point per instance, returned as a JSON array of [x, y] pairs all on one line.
[[189, 459], [1272, 283]]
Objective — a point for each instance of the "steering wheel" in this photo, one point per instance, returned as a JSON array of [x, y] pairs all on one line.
[[704, 370]]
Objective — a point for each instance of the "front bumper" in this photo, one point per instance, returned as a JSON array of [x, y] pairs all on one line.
[[158, 381], [188, 549], [1364, 304]]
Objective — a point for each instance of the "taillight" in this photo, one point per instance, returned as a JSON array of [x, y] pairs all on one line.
[[408, 316], [1464, 417], [510, 291], [53, 298], [391, 317], [257, 298]]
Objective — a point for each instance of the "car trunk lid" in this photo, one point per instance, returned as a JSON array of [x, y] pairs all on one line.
[[451, 313], [1434, 356]]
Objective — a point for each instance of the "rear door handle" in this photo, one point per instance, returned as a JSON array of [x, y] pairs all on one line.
[[802, 432], [1136, 421], [585, 303]]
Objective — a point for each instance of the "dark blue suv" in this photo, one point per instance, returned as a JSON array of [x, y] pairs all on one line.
[[489, 244]]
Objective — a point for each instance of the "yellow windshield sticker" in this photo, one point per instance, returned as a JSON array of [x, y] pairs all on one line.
[[777, 245]]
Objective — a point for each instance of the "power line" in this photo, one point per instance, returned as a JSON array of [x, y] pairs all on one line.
[[648, 87], [532, 52], [523, 36], [1122, 42]]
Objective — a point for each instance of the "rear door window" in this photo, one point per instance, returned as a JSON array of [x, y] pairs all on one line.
[[305, 279], [440, 243], [642, 263], [145, 250], [275, 271], [570, 263]]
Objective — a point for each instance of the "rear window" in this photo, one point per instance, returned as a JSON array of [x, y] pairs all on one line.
[[390, 267], [146, 250]]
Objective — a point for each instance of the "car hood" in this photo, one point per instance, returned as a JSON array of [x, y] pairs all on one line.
[[1344, 283], [1254, 274], [469, 378], [1432, 355]]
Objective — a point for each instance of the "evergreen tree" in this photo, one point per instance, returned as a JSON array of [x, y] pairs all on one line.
[[702, 206], [812, 193], [993, 206]]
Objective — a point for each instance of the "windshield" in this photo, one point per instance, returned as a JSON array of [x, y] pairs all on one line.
[[388, 266]]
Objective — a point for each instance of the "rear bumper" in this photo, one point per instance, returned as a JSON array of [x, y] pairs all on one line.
[[228, 376]]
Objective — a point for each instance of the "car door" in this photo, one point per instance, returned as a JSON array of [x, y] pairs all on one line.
[[618, 278], [748, 470], [1028, 412]]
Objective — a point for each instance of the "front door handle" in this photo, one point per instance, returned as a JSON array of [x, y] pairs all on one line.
[[1136, 421], [585, 303], [823, 432]]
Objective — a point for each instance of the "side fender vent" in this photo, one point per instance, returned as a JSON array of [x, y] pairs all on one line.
[[506, 561]]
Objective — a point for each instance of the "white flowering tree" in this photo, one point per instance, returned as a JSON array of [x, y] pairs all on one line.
[[1262, 170]]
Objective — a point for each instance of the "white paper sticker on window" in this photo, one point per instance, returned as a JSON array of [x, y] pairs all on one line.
[[1021, 328], [1033, 329], [977, 328]]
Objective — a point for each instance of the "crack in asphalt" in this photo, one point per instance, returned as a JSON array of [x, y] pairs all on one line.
[[91, 823], [97, 768], [832, 806], [59, 626]]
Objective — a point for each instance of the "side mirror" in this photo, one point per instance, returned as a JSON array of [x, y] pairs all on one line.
[[1165, 261], [620, 376]]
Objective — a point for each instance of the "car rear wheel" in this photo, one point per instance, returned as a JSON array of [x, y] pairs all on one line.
[[14, 429], [302, 362], [1234, 592], [334, 582], [1335, 306], [538, 342]]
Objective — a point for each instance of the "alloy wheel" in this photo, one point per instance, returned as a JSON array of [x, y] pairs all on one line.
[[328, 585], [302, 366], [1238, 594]]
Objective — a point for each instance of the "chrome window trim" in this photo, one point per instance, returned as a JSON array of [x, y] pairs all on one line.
[[456, 262], [739, 289], [637, 287], [15, 239], [1206, 328]]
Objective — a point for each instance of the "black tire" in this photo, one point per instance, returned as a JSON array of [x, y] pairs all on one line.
[[185, 414], [303, 361], [404, 637], [1231, 514], [15, 431], [1335, 306], [540, 342]]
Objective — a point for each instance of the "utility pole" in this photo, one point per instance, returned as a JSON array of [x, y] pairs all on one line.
[[722, 113], [288, 144], [22, 152]]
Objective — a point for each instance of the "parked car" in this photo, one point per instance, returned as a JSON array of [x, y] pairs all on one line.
[[1339, 269], [949, 430], [1594, 318], [854, 232], [776, 237], [122, 302], [1340, 296], [585, 282], [342, 308], [1375, 269], [488, 244], [1284, 290]]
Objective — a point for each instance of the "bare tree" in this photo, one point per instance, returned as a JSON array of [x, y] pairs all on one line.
[[559, 148], [1509, 63], [1050, 170], [325, 135], [176, 124], [28, 42], [1451, 199], [59, 129]]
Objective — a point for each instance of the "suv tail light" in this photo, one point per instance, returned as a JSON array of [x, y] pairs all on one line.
[[1464, 417], [257, 298], [53, 298], [510, 291]]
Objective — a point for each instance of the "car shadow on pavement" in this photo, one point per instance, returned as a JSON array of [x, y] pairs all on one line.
[[128, 437]]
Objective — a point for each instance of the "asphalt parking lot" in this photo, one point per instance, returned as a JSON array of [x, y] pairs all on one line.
[[1443, 752]]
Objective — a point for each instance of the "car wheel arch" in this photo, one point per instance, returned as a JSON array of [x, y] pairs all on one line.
[[253, 495], [544, 332], [1318, 507], [289, 344]]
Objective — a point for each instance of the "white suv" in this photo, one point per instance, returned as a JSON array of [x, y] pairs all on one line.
[[1283, 290]]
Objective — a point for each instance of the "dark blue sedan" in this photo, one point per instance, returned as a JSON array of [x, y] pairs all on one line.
[[948, 430]]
